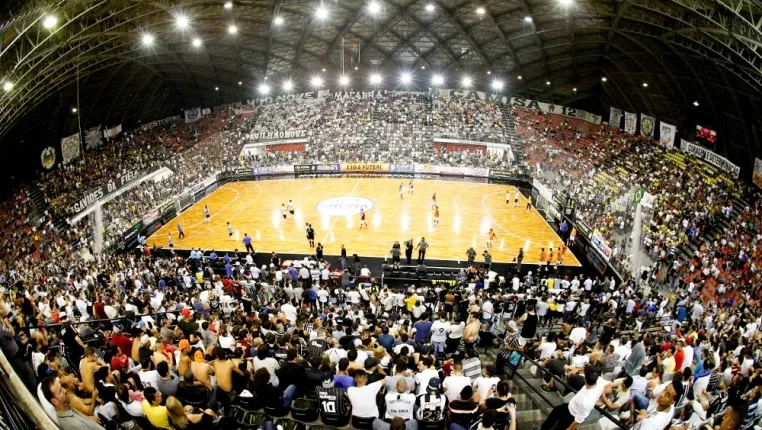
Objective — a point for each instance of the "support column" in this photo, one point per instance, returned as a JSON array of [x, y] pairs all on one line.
[[98, 229]]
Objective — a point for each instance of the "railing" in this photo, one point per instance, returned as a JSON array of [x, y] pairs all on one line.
[[19, 409], [557, 381]]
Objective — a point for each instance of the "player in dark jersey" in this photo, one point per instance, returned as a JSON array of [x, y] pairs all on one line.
[[431, 405], [334, 403], [362, 219]]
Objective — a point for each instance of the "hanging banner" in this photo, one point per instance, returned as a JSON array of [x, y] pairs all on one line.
[[48, 157], [667, 135], [158, 122], [364, 167], [279, 134], [600, 244], [192, 115], [615, 117], [93, 137], [756, 176], [206, 111], [710, 157], [646, 125], [630, 122], [70, 147], [112, 132], [245, 111]]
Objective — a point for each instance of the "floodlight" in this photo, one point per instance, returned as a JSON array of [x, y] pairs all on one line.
[[466, 82], [229, 5], [547, 82], [406, 78], [437, 80], [527, 19], [288, 85], [519, 77], [645, 84], [197, 42], [480, 11], [497, 84], [375, 79], [264, 89], [7, 86], [182, 21], [604, 79], [430, 7], [147, 39], [317, 82], [374, 8], [73, 110], [278, 20], [321, 12], [344, 80], [696, 103], [232, 29], [50, 21]]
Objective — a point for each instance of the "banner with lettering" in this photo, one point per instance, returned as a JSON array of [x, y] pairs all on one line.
[[364, 167], [630, 122], [667, 135], [646, 125], [756, 176], [192, 115], [93, 137], [615, 117], [70, 147], [278, 134], [245, 110], [91, 196], [158, 122], [600, 244], [112, 132], [206, 111], [710, 157]]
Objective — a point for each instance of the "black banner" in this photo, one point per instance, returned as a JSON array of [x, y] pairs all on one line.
[[130, 236], [91, 196], [316, 169], [501, 174], [244, 172]]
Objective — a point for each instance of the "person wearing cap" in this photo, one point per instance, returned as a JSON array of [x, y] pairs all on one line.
[[334, 402], [430, 404]]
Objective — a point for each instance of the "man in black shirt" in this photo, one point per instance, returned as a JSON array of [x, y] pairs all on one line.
[[334, 403], [193, 393], [463, 410], [74, 348], [371, 368], [292, 372], [319, 345]]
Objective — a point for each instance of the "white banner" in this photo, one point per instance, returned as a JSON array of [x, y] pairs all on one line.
[[93, 137], [475, 171], [615, 117], [192, 115], [710, 157], [756, 176], [70, 147], [279, 134], [630, 122], [646, 125], [112, 132], [647, 200], [667, 134], [426, 168], [206, 111], [600, 244], [245, 110]]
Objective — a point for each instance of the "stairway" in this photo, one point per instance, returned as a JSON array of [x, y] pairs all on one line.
[[528, 410], [39, 205], [686, 250], [510, 134]]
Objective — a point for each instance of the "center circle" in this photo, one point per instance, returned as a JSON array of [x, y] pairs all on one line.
[[344, 205]]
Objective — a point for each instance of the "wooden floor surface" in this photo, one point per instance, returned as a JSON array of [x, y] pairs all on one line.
[[467, 212]]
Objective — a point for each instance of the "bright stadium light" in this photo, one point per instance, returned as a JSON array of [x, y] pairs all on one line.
[[480, 11], [519, 77], [344, 80], [423, 67], [50, 21], [466, 82], [437, 80], [73, 110], [565, 3], [197, 42], [147, 39], [645, 84], [181, 21], [278, 20], [216, 88], [574, 89], [696, 103], [547, 82], [604, 79], [240, 83], [527, 19], [375, 79], [406, 78], [497, 84], [7, 86], [264, 89], [232, 29], [374, 7], [288, 85], [430, 7], [317, 82], [228, 5], [321, 12]]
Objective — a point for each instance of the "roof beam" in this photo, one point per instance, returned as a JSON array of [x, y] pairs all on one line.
[[448, 15], [528, 10], [621, 11], [503, 39]]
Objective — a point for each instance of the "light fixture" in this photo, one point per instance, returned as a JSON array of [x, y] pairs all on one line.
[[317, 82], [7, 86], [50, 21], [147, 39], [324, 69], [480, 11], [374, 7], [497, 84], [574, 89], [406, 78], [356, 67], [216, 88], [547, 82], [604, 79], [488, 72], [565, 2], [430, 7], [437, 80], [265, 77], [645, 84], [228, 5], [344, 80], [288, 85], [527, 19], [466, 82], [278, 20], [240, 83], [321, 12], [375, 79], [696, 103], [232, 29], [181, 21], [264, 89], [423, 67], [197, 42], [73, 110], [519, 77]]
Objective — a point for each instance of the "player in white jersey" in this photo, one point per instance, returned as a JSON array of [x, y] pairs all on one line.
[[283, 210], [434, 201], [206, 214], [402, 189], [291, 208], [516, 195], [410, 187]]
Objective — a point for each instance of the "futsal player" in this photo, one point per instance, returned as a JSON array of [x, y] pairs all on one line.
[[311, 235], [180, 232], [410, 187], [436, 216], [508, 197], [206, 214], [230, 231], [362, 220], [561, 254], [542, 256], [433, 201], [401, 190], [291, 208], [490, 237], [169, 238], [550, 256], [283, 210], [516, 195], [471, 254], [529, 203]]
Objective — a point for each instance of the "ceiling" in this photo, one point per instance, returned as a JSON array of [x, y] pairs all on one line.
[[93, 58]]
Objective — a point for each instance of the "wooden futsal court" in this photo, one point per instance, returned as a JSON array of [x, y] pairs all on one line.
[[467, 212]]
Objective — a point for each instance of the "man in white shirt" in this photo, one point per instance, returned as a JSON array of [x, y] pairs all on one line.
[[571, 415], [426, 371], [401, 403], [289, 311], [439, 330], [454, 383], [363, 395], [548, 346], [657, 417], [487, 310]]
